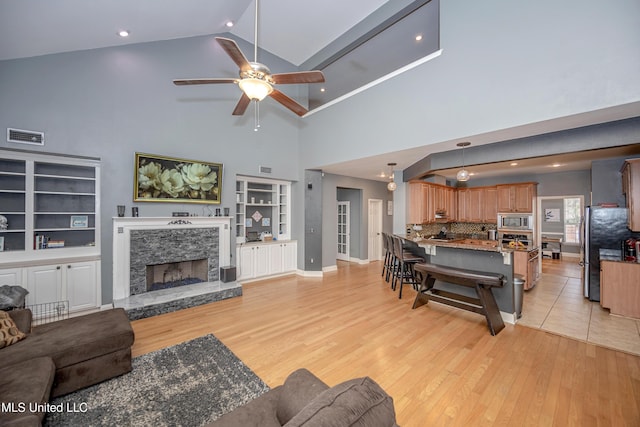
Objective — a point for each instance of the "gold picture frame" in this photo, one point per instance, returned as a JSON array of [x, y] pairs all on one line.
[[169, 179]]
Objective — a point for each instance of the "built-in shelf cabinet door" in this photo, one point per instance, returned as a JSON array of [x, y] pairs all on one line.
[[272, 198], [52, 204], [77, 275]]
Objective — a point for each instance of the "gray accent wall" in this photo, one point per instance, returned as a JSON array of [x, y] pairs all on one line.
[[113, 102], [537, 68], [366, 189], [606, 182], [313, 220]]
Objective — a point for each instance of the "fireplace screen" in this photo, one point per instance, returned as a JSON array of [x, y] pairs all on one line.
[[174, 274]]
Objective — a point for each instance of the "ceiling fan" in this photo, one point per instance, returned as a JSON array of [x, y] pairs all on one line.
[[256, 80]]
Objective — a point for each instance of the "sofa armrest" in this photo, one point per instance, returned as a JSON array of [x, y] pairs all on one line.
[[22, 317], [300, 388]]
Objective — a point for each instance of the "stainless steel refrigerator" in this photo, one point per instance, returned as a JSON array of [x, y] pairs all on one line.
[[602, 228]]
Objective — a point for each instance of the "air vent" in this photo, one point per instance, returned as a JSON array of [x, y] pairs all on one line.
[[25, 136], [265, 169]]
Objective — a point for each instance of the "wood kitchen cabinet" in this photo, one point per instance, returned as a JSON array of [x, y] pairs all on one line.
[[517, 198], [527, 264], [429, 203], [490, 204], [619, 290], [416, 203], [631, 189], [477, 204]]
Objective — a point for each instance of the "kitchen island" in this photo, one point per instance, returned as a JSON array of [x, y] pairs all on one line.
[[480, 255]]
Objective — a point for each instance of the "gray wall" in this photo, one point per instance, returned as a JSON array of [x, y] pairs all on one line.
[[368, 190], [313, 221], [606, 183], [504, 65], [574, 183], [112, 102]]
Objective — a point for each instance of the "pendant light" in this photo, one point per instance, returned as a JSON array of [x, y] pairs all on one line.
[[391, 186], [463, 174]]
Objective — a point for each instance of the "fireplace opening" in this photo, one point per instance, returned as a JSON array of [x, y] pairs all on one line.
[[175, 274]]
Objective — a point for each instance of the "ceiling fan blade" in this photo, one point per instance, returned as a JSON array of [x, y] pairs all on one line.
[[242, 105], [314, 76], [288, 102], [232, 49], [182, 82]]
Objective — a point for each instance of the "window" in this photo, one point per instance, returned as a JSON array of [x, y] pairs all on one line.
[[572, 215]]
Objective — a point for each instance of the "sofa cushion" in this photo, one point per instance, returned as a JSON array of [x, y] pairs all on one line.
[[12, 297], [298, 390], [23, 318], [260, 412], [9, 332], [26, 385], [75, 340], [357, 402]]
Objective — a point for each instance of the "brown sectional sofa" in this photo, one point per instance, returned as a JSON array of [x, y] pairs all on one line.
[[304, 400], [60, 357]]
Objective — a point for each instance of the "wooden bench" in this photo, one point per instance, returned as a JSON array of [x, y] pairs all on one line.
[[482, 283]]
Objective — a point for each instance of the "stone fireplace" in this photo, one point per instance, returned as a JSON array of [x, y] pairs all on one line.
[[140, 244]]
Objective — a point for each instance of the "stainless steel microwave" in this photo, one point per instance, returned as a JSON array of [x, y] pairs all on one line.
[[515, 222]]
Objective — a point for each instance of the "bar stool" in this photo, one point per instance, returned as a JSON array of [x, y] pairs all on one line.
[[393, 261], [387, 256], [405, 262]]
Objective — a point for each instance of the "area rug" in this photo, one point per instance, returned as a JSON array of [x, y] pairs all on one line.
[[189, 384]]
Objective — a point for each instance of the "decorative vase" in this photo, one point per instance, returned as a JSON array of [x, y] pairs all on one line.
[[4, 224]]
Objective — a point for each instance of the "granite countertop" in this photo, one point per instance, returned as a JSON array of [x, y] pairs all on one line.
[[473, 244], [614, 255]]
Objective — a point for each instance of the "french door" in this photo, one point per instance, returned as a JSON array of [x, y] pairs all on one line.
[[343, 231]]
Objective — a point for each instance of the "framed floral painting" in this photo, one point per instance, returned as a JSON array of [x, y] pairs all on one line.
[[167, 179]]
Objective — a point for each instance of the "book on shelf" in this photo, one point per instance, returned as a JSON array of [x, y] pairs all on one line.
[[55, 244], [43, 242]]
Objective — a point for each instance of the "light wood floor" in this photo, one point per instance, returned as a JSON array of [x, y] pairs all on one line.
[[557, 304], [441, 365]]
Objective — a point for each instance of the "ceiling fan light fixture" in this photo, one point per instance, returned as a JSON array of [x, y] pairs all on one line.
[[255, 89], [391, 186]]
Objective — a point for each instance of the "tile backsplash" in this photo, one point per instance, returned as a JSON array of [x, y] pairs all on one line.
[[457, 229]]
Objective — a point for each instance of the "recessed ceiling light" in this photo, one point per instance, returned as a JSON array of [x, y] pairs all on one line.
[[322, 89], [513, 164], [229, 24], [123, 33], [419, 37]]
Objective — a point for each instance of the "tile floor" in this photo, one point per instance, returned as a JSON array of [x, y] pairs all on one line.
[[557, 305]]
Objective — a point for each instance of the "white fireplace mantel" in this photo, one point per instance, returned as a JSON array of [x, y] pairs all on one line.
[[122, 238]]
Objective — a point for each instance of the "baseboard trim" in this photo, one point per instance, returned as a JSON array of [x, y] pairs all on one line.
[[305, 273], [508, 317], [330, 268]]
